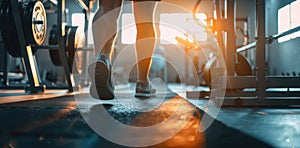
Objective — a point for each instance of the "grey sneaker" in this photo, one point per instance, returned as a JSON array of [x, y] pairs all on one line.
[[144, 90], [100, 73]]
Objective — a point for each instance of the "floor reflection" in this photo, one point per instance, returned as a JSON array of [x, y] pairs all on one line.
[[58, 122], [188, 136], [180, 110]]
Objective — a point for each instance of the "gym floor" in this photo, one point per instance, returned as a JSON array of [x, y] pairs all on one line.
[[54, 119]]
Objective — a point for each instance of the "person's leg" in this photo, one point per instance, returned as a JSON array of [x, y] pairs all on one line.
[[146, 36], [104, 35], [145, 45], [101, 32]]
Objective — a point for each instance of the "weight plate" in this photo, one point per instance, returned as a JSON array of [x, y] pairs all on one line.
[[33, 18], [72, 43], [34, 22], [54, 54], [242, 68], [1, 7], [11, 41], [39, 23]]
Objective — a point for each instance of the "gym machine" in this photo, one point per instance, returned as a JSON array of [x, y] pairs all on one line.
[[257, 90], [74, 41], [20, 20], [210, 53], [63, 51]]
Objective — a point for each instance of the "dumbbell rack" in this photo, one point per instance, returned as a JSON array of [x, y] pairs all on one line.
[[262, 96]]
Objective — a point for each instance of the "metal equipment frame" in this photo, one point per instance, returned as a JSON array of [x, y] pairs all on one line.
[[62, 44], [30, 65], [29, 59], [258, 92]]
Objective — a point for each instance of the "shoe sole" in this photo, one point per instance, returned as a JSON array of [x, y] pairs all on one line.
[[142, 95], [100, 88]]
